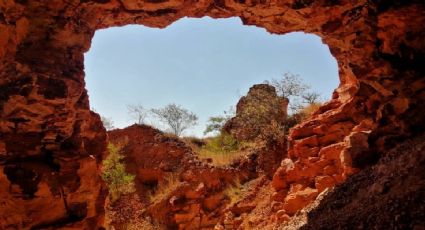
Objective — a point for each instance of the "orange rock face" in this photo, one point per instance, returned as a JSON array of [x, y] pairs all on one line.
[[298, 198], [51, 144], [150, 155], [257, 113], [175, 188]]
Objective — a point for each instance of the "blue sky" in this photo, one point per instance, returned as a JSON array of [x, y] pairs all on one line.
[[204, 64]]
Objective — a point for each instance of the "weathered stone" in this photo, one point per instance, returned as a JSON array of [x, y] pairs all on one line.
[[280, 177], [196, 193], [191, 212], [323, 182], [332, 152], [298, 197], [258, 114], [276, 206], [282, 216], [213, 201]]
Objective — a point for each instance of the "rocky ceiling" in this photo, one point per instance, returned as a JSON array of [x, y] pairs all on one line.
[[51, 143]]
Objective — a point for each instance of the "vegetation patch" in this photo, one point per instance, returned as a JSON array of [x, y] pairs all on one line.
[[164, 189], [222, 149], [114, 174]]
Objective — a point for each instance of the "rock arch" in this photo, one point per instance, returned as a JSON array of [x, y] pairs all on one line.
[[51, 143]]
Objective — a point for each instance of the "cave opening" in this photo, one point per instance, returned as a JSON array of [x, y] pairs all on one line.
[[46, 115], [206, 65]]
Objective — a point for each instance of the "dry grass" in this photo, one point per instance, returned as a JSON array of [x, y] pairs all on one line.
[[309, 110], [234, 193], [220, 158], [164, 189], [170, 135], [222, 150]]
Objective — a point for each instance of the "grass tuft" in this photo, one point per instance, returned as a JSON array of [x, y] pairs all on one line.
[[233, 193], [164, 189], [222, 149]]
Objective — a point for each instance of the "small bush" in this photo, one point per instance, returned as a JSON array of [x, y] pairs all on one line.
[[310, 109], [222, 149], [114, 174], [301, 116], [222, 143]]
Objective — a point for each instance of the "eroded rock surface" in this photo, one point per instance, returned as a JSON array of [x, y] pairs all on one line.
[[150, 155], [259, 114], [388, 194], [48, 134], [176, 190]]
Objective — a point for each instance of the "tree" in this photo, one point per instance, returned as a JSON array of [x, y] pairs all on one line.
[[215, 124], [302, 103], [311, 98], [107, 122], [138, 112], [176, 117], [290, 85]]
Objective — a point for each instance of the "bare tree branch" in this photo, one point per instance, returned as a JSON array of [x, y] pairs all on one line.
[[311, 97], [176, 117], [138, 112]]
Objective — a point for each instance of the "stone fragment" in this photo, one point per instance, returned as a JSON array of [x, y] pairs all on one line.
[[298, 198]]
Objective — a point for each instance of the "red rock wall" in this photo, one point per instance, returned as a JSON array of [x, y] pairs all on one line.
[[51, 144]]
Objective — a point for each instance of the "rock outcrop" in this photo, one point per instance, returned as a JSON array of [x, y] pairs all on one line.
[[260, 118], [151, 155], [259, 114], [48, 134], [175, 189]]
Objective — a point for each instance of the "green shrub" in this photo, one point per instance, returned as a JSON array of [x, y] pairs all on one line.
[[222, 143], [222, 149], [114, 174]]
